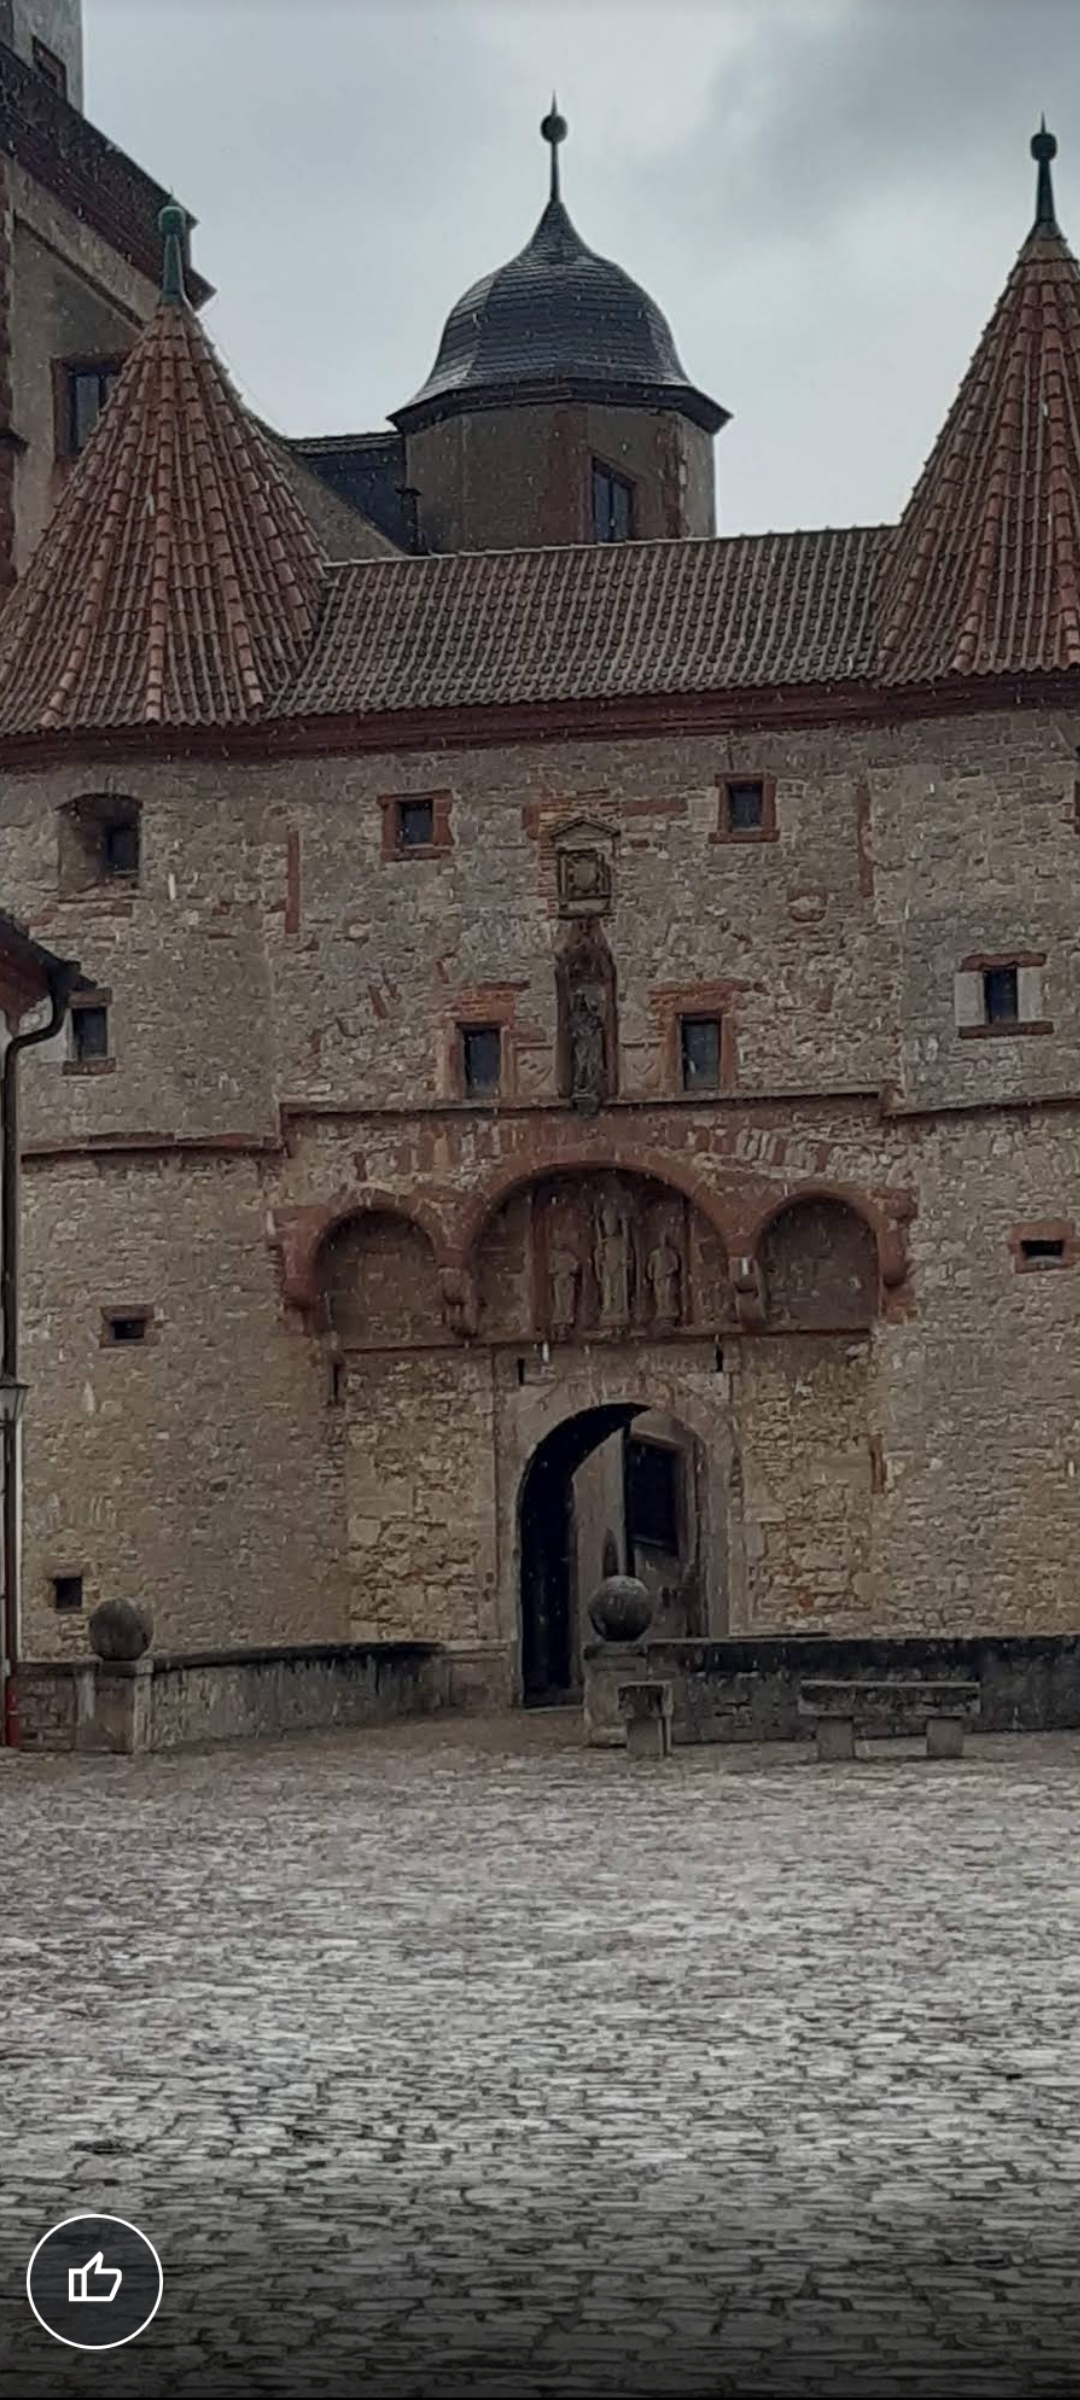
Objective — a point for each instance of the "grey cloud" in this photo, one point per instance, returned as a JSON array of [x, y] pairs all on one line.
[[825, 196]]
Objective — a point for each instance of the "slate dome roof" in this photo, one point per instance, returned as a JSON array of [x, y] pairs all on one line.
[[557, 320]]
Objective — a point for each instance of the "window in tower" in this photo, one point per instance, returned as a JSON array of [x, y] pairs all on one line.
[[1001, 995], [700, 1047], [89, 1046], [85, 385], [612, 505]]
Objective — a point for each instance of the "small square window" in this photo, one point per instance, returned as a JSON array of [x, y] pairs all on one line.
[[51, 67], [67, 1591], [89, 1032], [1050, 1250], [121, 1326], [481, 1060], [700, 1047], [120, 846], [415, 824], [612, 505], [746, 807], [1001, 995]]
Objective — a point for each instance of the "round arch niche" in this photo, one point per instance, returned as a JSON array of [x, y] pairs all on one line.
[[378, 1283], [819, 1262]]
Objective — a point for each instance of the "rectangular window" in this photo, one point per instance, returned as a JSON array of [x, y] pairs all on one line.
[[67, 1591], [481, 1060], [700, 1046], [1038, 1248], [89, 1032], [51, 67], [124, 1325], [415, 824], [653, 1496], [1001, 995], [612, 505], [120, 847], [746, 807], [88, 389]]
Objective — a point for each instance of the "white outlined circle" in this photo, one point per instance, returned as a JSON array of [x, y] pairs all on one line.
[[89, 2216]]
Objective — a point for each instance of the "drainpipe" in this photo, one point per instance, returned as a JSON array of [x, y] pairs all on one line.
[[61, 983]]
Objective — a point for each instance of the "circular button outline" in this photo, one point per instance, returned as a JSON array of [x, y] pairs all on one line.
[[92, 2216]]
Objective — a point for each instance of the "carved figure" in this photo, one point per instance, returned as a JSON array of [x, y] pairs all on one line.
[[588, 1046], [664, 1270], [611, 1259], [564, 1275]]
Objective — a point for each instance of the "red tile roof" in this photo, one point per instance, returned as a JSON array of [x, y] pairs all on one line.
[[984, 574], [179, 581], [620, 619]]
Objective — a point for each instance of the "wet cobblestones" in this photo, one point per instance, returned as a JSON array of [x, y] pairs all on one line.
[[464, 2060]]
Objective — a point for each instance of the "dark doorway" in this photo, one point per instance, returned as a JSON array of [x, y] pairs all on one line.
[[549, 1661]]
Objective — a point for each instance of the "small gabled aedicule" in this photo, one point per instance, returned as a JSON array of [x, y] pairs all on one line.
[[983, 575], [178, 584]]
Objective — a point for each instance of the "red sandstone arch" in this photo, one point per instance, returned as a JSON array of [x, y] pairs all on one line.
[[884, 1228], [586, 1158], [300, 1233]]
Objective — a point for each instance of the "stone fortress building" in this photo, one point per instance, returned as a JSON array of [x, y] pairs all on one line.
[[582, 1055]]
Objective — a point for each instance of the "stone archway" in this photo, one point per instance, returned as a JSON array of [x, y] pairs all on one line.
[[616, 1485]]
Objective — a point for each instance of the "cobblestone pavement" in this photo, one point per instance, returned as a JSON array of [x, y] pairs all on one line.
[[465, 2060]]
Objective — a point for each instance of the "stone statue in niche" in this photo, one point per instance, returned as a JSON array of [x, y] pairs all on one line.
[[612, 1264], [588, 1047], [564, 1277], [663, 1267]]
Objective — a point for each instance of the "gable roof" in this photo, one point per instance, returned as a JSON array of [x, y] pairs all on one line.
[[179, 581], [604, 622]]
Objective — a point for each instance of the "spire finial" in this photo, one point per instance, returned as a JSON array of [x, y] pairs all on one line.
[[172, 226], [1044, 151], [554, 129]]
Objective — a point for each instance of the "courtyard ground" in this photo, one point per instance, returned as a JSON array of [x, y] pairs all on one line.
[[463, 2059]]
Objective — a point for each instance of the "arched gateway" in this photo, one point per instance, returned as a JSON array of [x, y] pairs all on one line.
[[597, 1374]]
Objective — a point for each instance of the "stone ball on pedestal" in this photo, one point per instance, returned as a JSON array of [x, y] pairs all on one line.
[[119, 1632], [621, 1608]]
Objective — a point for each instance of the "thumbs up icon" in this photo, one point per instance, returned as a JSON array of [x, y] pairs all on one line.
[[94, 2281]]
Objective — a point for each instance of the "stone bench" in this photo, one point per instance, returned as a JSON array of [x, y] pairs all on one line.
[[646, 1710], [941, 1709]]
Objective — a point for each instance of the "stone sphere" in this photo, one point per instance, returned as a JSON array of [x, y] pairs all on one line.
[[620, 1608], [119, 1631]]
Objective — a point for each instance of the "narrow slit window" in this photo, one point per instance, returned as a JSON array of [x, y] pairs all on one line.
[[120, 847], [124, 1326], [1048, 1250], [612, 505]]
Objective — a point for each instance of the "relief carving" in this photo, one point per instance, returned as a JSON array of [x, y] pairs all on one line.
[[612, 1257], [664, 1269], [588, 1047], [602, 1255], [588, 1025]]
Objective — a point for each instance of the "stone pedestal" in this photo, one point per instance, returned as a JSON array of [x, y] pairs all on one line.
[[606, 1666], [112, 1706], [835, 1739], [945, 1737], [645, 1709]]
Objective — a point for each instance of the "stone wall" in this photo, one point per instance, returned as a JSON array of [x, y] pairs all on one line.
[[172, 1702], [521, 478], [748, 1691], [285, 997]]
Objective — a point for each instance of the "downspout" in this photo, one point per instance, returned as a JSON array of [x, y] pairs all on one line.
[[61, 983]]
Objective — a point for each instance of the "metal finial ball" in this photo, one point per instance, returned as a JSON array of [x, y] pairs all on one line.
[[554, 128], [1043, 145], [172, 221]]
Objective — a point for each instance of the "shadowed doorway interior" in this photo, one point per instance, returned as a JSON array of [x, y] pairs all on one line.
[[593, 1498]]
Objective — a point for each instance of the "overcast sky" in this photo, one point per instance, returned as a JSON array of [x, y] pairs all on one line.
[[824, 196]]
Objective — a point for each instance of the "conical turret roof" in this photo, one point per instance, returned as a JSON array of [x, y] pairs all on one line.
[[178, 583], [983, 575]]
